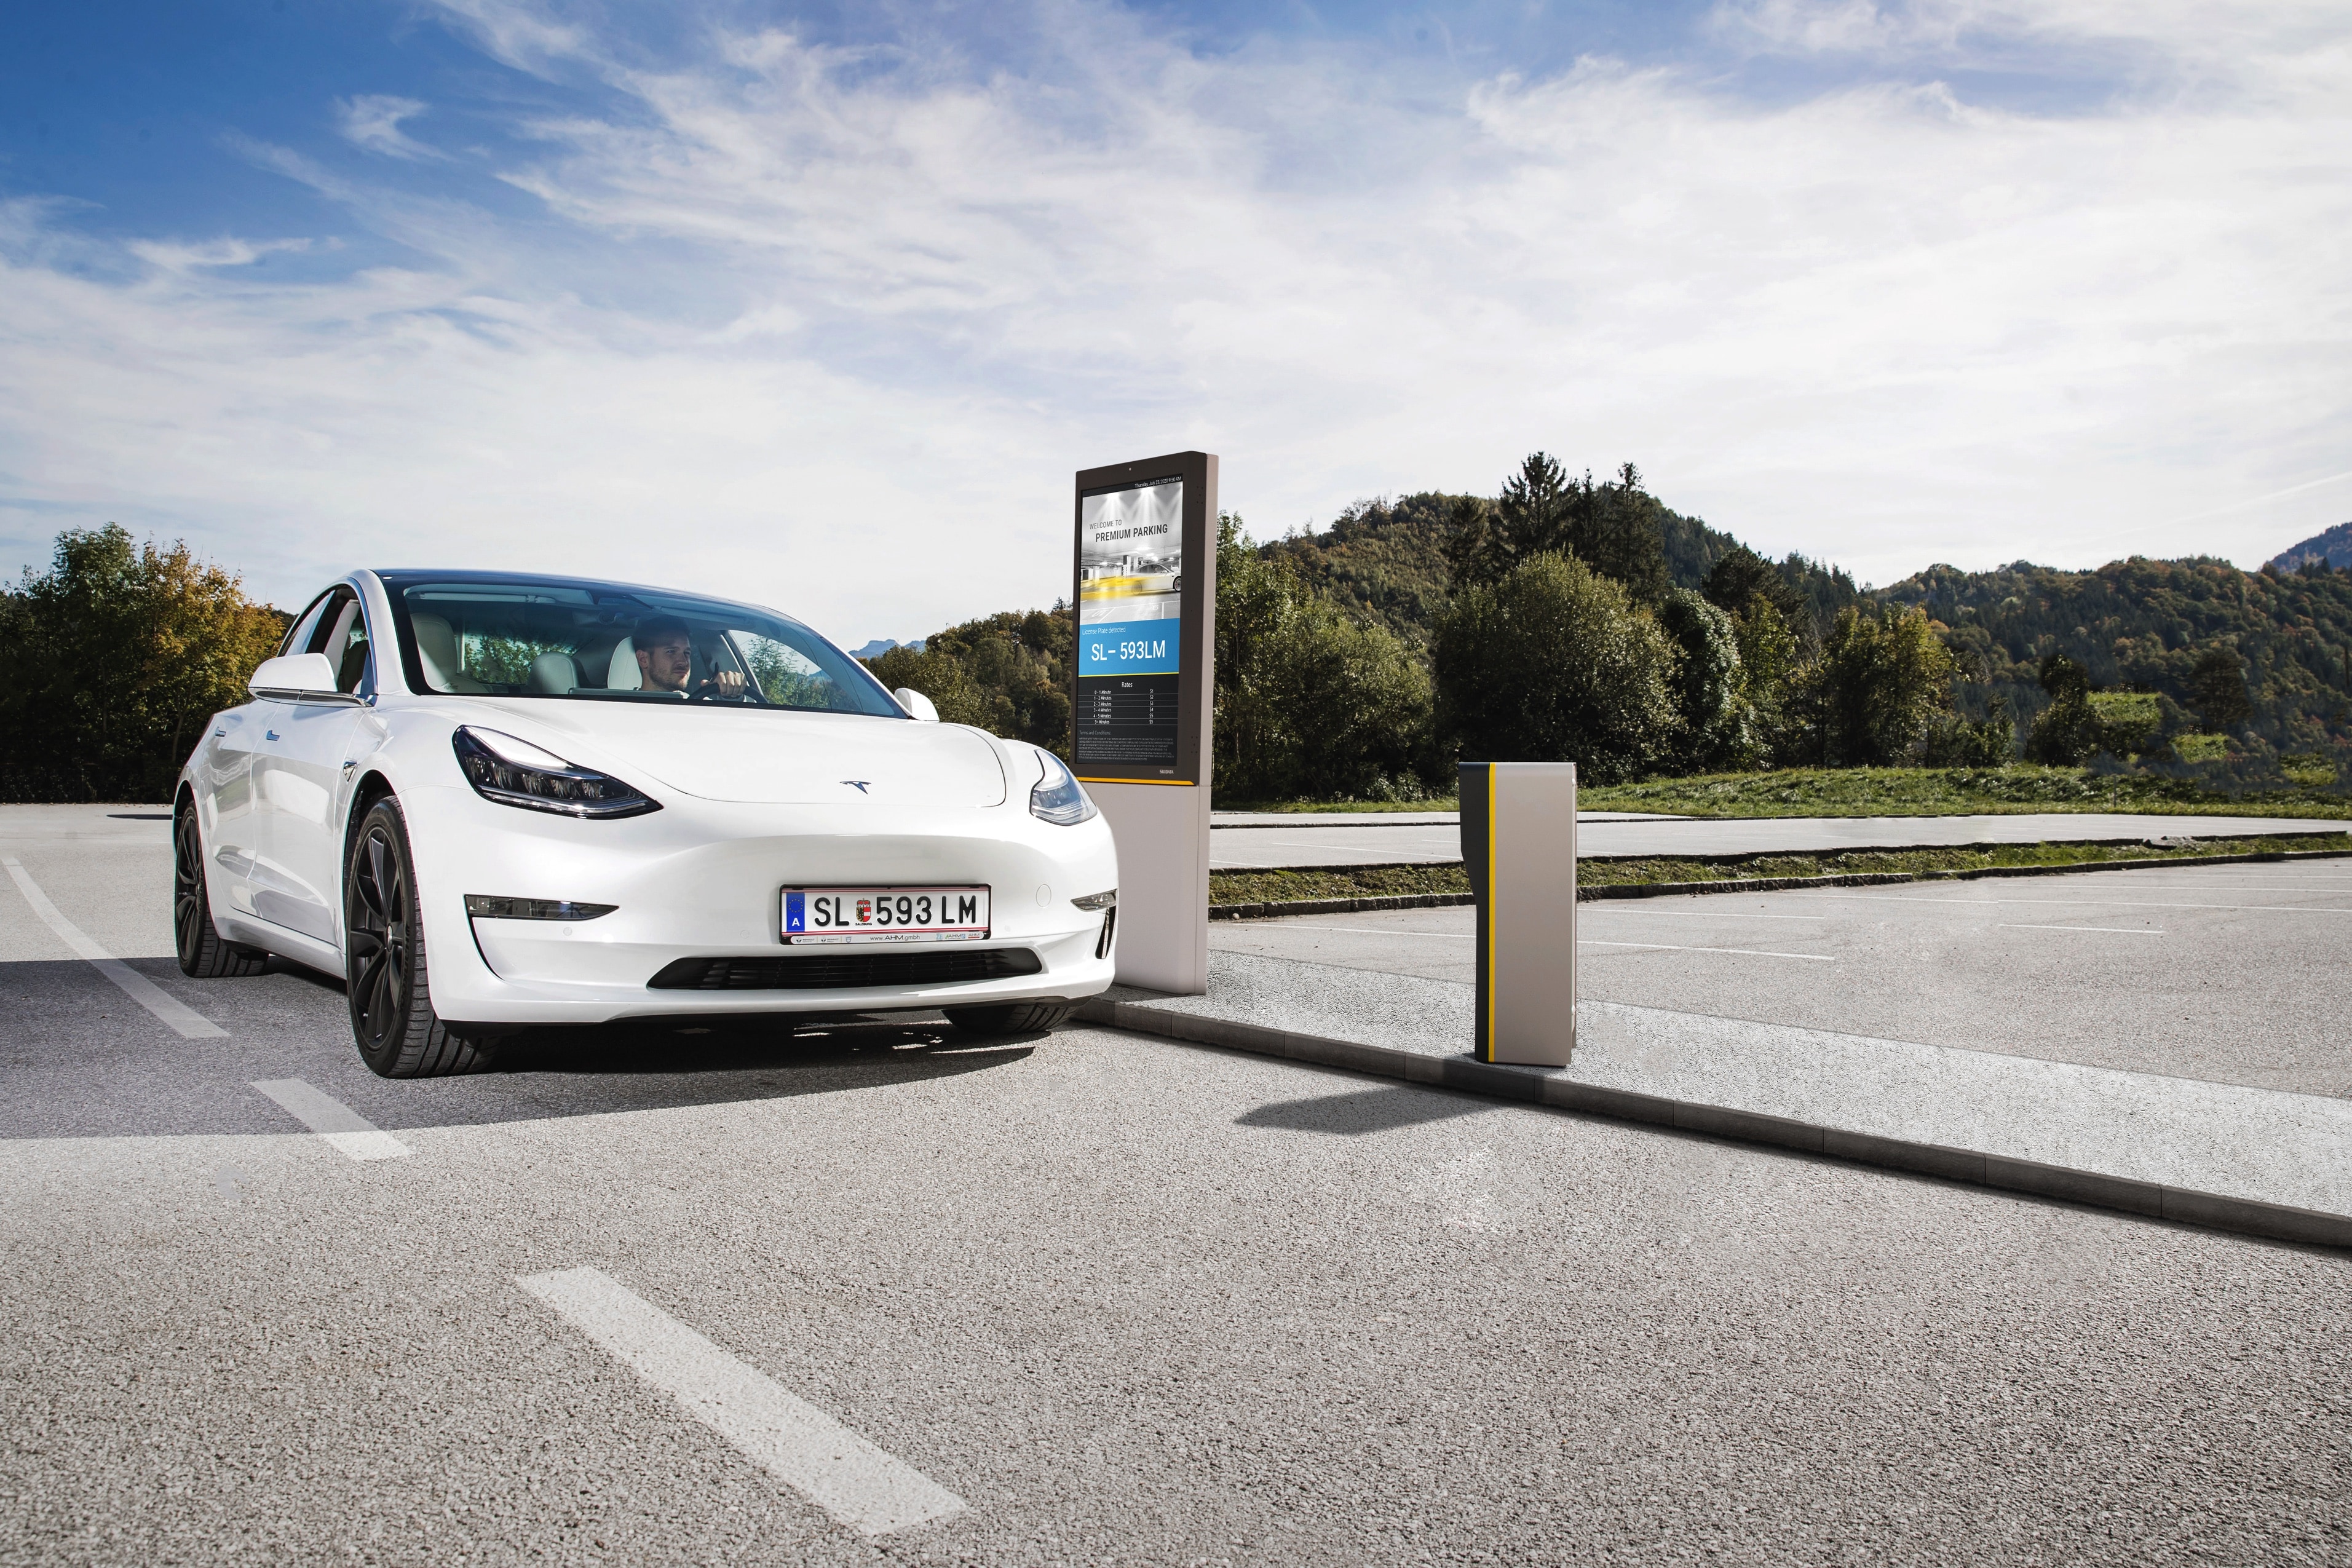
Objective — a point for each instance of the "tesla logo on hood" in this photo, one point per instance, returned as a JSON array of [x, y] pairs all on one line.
[[857, 784]]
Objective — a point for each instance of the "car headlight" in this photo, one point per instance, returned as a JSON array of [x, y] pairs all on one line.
[[516, 773], [1057, 798]]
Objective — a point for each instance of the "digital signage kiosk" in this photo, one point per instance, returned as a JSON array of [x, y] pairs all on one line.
[[1145, 585]]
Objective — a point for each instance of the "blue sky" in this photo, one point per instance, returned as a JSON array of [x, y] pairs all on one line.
[[824, 304]]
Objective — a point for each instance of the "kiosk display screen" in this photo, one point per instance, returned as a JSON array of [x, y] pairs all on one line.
[[1130, 615]]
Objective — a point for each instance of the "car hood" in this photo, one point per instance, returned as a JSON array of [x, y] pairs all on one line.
[[761, 755]]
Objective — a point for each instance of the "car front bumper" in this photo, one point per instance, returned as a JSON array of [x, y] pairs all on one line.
[[702, 880]]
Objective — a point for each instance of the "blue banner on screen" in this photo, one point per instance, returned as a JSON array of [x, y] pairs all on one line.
[[1127, 647]]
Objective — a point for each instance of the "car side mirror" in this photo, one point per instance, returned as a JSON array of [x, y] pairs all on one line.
[[295, 675], [917, 705]]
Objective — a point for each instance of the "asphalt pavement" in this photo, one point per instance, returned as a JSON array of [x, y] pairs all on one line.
[[1333, 839], [870, 1293]]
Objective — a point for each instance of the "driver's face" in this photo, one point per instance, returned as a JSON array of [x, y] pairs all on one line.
[[666, 664]]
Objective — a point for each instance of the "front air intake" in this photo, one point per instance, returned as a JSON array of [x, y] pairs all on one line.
[[846, 970]]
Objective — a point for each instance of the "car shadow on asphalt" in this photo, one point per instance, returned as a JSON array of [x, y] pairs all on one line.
[[671, 1046], [78, 1058], [1364, 1111]]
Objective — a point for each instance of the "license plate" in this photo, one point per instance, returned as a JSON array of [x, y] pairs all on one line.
[[820, 915]]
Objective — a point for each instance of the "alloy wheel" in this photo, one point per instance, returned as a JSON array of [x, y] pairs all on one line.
[[188, 911], [378, 926]]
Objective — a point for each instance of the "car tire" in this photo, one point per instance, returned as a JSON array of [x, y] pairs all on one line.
[[385, 977], [1011, 1018], [204, 953]]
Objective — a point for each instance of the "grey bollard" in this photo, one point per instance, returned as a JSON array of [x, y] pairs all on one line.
[[1518, 844]]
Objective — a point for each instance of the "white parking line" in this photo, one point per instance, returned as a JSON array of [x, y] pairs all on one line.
[[2110, 931], [792, 1440], [343, 1128], [1698, 915], [1388, 930], [1743, 951], [174, 1013], [2079, 903]]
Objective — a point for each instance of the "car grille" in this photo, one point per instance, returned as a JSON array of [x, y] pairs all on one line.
[[844, 971]]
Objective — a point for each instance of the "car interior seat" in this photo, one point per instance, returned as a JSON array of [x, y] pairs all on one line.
[[554, 674], [623, 674], [437, 649]]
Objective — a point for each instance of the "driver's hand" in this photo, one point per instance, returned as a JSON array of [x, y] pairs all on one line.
[[725, 683]]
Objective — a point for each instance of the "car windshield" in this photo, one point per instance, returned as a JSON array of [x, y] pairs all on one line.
[[527, 638]]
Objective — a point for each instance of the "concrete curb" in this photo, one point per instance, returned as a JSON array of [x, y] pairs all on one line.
[[1275, 910], [2150, 1200]]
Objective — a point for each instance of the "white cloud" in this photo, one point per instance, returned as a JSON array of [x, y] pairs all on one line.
[[835, 328], [373, 121]]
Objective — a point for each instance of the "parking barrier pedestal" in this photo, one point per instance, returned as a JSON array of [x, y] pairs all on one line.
[[1518, 844]]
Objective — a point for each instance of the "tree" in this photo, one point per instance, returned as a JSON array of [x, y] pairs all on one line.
[[2067, 733], [120, 652], [1555, 663], [1741, 575], [1311, 704], [1473, 554], [1879, 682], [2063, 678], [1714, 731], [2217, 688], [1617, 530], [1008, 673], [1768, 655], [1529, 518]]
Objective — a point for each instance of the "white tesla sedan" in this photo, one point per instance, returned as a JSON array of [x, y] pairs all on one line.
[[491, 801]]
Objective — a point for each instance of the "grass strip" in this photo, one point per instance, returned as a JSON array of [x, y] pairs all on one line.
[[1949, 792], [1309, 883], [1903, 792]]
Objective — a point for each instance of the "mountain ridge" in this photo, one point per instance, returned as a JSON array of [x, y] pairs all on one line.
[[2333, 546]]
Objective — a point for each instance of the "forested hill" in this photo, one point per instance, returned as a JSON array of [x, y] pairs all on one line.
[[2141, 625], [2335, 547], [1382, 560]]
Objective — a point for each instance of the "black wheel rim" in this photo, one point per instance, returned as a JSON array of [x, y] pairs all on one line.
[[188, 911], [378, 938]]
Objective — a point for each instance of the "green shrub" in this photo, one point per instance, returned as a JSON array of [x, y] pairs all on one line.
[[1869, 700], [1554, 663], [1714, 729], [2312, 770], [1956, 743]]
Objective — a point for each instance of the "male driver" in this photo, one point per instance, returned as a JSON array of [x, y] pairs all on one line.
[[666, 660]]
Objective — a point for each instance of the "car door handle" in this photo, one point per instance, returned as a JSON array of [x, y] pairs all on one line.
[[269, 734], [219, 733]]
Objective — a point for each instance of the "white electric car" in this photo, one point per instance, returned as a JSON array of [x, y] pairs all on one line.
[[491, 801]]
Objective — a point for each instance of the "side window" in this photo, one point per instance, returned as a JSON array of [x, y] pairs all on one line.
[[306, 625], [345, 644]]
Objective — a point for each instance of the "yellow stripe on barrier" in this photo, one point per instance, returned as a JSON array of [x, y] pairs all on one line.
[[1493, 870]]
